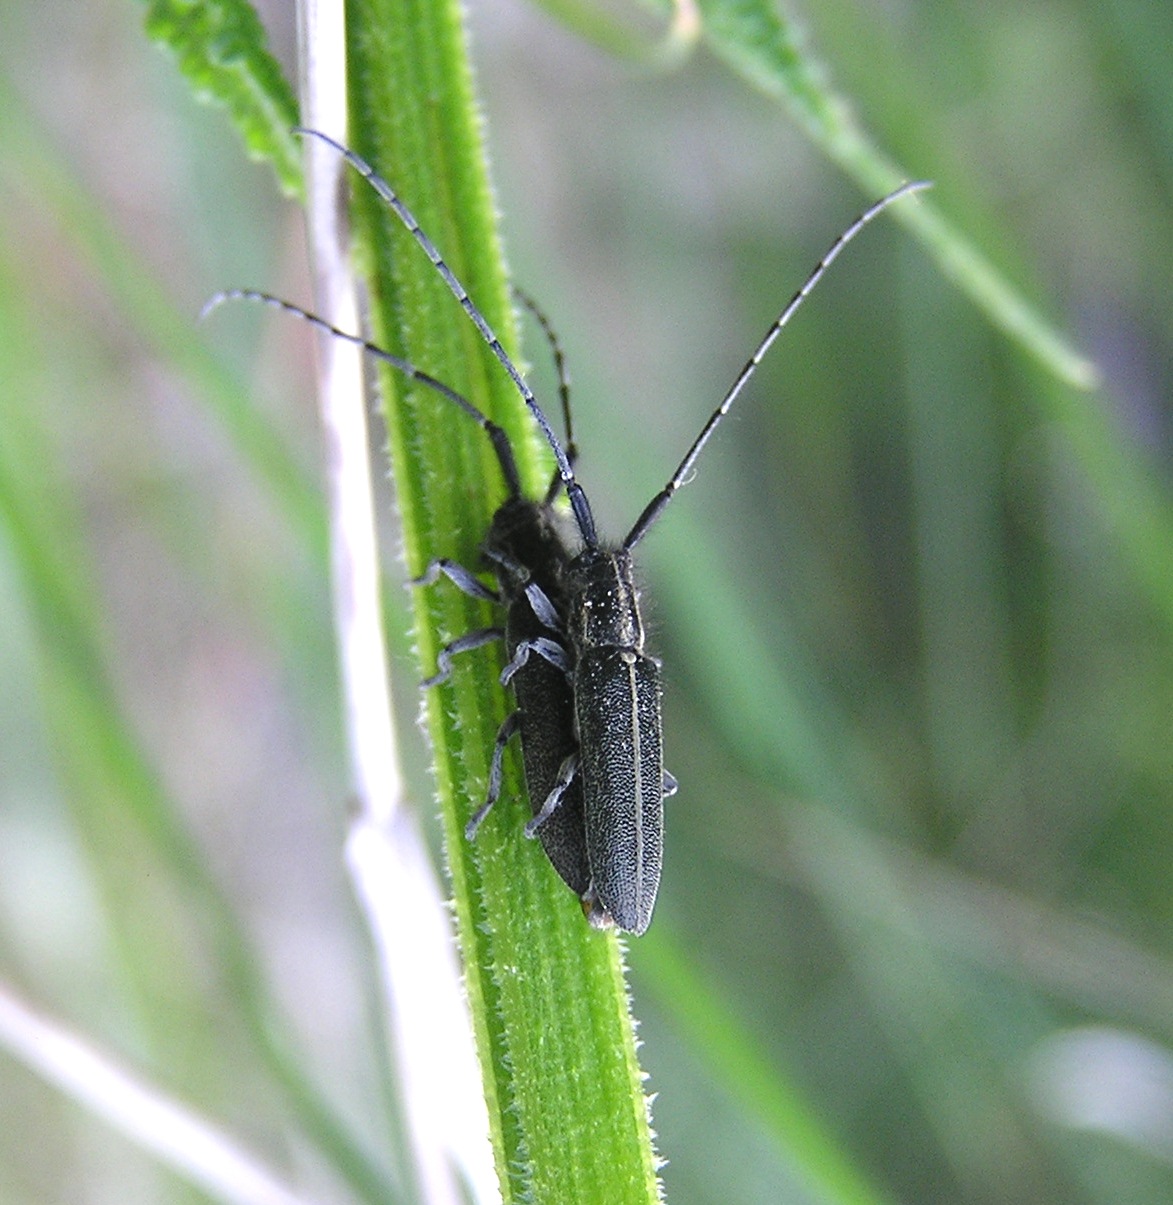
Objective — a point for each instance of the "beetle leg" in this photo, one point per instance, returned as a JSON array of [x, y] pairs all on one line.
[[566, 773], [504, 733], [463, 579], [544, 647], [464, 644]]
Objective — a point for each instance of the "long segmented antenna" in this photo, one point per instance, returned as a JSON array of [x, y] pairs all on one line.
[[497, 435], [655, 508], [563, 375], [578, 501], [565, 460]]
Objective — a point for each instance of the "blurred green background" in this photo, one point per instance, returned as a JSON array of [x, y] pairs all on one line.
[[915, 614]]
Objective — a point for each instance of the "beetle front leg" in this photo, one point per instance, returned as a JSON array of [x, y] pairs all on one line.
[[461, 577]]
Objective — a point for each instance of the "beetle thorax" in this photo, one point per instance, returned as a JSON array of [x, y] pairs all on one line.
[[605, 606]]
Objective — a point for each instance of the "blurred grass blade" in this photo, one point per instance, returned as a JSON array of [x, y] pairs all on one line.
[[625, 37], [437, 1077], [750, 1076], [118, 804], [49, 179], [177, 1135], [755, 40], [222, 49]]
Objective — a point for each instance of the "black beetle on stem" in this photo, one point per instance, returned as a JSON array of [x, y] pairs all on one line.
[[588, 692]]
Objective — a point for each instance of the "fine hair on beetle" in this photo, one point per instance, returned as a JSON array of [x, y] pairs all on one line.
[[586, 689]]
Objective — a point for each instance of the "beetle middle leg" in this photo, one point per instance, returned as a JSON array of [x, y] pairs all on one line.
[[549, 650], [468, 583], [462, 644]]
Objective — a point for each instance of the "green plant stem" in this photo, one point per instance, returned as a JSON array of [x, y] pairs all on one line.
[[549, 1001]]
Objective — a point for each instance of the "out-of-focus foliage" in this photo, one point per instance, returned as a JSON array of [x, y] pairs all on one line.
[[914, 612]]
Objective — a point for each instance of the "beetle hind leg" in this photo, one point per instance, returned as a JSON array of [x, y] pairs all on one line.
[[566, 773], [504, 734]]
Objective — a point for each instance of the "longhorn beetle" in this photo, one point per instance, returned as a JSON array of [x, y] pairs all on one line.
[[525, 550], [591, 613]]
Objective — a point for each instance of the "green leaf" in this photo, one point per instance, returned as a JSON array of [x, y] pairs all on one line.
[[566, 1102], [753, 38], [222, 49]]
